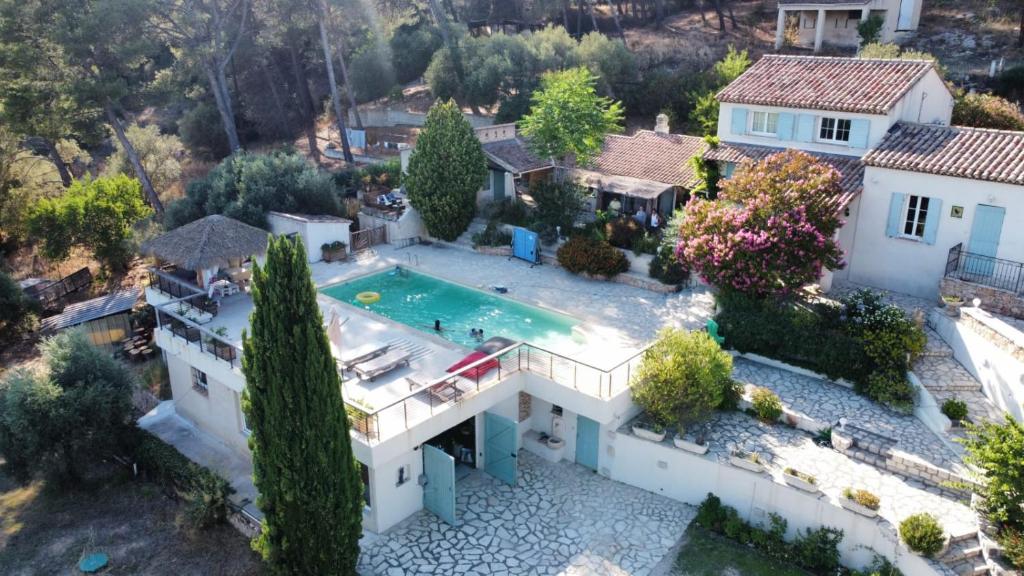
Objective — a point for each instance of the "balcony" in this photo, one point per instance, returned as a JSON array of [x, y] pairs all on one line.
[[985, 270]]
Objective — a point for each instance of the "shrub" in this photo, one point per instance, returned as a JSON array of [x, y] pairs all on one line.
[[987, 111], [818, 550], [862, 497], [14, 307], [412, 47], [923, 534], [665, 268], [880, 566], [157, 152], [205, 493], [682, 378], [1012, 542], [558, 204], [870, 30], [711, 513], [955, 409], [766, 404], [441, 76], [996, 448], [371, 74], [492, 235], [514, 212], [585, 255], [623, 231], [1010, 83], [202, 132]]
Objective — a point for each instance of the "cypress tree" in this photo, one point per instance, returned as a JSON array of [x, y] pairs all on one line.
[[309, 486]]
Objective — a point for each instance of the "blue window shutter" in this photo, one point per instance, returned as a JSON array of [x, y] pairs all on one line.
[[896, 203], [931, 222], [785, 131], [730, 167], [805, 128], [739, 121], [859, 130]]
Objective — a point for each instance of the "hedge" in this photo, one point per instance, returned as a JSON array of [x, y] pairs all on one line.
[[595, 257]]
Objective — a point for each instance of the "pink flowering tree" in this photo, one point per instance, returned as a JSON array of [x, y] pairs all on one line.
[[770, 231]]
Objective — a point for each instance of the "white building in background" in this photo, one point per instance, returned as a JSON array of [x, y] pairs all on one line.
[[834, 22]]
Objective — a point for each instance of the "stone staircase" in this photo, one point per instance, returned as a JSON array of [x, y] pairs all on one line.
[[966, 556]]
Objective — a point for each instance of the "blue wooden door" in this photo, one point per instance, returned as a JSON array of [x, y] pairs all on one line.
[[498, 185], [501, 448], [525, 245], [587, 439], [984, 243], [439, 491]]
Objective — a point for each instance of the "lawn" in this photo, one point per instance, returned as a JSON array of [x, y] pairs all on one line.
[[45, 531], [706, 554]]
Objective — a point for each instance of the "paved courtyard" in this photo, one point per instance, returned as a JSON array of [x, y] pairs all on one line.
[[559, 519]]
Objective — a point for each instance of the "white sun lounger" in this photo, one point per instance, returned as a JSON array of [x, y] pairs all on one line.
[[362, 354], [382, 364]]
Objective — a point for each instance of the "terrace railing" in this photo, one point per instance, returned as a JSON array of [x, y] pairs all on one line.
[[208, 342], [429, 398], [985, 270], [172, 285]]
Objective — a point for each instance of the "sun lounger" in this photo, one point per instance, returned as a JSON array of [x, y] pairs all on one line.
[[477, 371], [362, 354], [382, 364]]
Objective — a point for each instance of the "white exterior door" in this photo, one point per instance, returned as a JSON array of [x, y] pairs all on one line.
[[906, 21]]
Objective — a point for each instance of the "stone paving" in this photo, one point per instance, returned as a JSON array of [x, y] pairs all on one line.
[[558, 519]]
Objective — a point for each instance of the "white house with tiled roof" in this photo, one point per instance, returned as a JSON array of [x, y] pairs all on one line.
[[834, 22], [922, 200]]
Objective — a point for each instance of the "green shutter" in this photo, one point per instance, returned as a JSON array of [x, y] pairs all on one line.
[[931, 222], [805, 128], [739, 121], [896, 216], [785, 126], [859, 130]]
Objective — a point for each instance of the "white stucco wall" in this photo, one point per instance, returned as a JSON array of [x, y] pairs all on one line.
[[314, 233], [911, 266], [841, 31], [217, 412], [879, 126], [928, 102]]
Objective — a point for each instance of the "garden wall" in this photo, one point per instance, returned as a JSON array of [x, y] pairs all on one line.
[[998, 301], [689, 478]]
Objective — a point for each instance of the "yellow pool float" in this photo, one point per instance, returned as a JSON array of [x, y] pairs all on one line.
[[368, 297]]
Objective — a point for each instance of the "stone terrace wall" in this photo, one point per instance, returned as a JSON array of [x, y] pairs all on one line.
[[993, 299]]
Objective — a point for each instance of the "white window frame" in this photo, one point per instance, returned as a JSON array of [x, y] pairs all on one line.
[[200, 381], [761, 128], [835, 130], [913, 215]]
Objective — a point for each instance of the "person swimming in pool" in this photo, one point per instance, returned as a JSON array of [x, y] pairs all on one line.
[[437, 326]]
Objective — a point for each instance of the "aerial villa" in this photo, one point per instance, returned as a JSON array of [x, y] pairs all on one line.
[[471, 380]]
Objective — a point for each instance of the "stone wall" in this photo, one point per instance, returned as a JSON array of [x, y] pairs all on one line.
[[992, 299], [995, 331]]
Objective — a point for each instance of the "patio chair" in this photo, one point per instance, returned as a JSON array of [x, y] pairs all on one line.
[[382, 364], [362, 354], [712, 330]]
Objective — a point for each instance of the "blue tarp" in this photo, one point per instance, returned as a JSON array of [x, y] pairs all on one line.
[[356, 138]]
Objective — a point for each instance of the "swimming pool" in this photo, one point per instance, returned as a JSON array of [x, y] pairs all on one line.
[[417, 300]]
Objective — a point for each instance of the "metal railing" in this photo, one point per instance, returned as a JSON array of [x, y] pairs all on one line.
[[171, 285], [427, 399], [985, 270], [208, 342]]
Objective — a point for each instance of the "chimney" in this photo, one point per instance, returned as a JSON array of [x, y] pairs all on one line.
[[661, 124]]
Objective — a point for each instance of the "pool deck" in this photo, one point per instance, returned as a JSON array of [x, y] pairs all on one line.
[[617, 318]]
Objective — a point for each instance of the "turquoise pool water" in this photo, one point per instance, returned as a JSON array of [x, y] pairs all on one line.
[[417, 300]]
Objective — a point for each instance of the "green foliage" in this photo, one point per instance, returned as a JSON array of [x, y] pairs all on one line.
[[666, 268], [205, 493], [870, 30], [623, 231], [97, 214], [158, 153], [62, 419], [880, 566], [513, 211], [15, 308], [862, 340], [862, 497], [923, 534], [609, 60], [879, 51], [568, 117], [707, 171], [816, 551], [987, 111], [581, 254], [303, 467], [246, 186], [558, 204], [24, 178], [1010, 83], [682, 378], [955, 409], [412, 47], [492, 235], [370, 74], [1012, 542], [705, 106], [446, 170], [202, 132], [442, 76], [705, 113], [766, 404], [731, 66], [996, 449]]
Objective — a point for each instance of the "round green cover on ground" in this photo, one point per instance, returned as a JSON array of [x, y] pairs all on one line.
[[93, 562]]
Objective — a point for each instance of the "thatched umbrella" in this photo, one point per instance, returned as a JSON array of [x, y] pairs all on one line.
[[213, 241]]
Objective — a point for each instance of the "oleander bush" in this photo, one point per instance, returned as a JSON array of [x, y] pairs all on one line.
[[923, 534], [582, 254], [767, 404]]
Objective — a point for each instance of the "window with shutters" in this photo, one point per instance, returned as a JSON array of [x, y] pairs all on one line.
[[200, 382], [915, 216], [764, 123], [836, 130]]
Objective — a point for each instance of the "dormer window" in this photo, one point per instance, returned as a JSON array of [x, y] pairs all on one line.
[[764, 123], [836, 130]]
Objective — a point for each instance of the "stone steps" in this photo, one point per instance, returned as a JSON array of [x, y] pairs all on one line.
[[966, 556]]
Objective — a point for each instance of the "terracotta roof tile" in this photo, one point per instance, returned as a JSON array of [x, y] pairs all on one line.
[[514, 155], [850, 168], [818, 83], [648, 155], [975, 153]]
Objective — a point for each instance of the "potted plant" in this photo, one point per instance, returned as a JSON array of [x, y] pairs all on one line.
[[747, 460], [800, 480], [649, 430], [690, 441], [860, 501], [336, 251], [956, 410], [952, 304]]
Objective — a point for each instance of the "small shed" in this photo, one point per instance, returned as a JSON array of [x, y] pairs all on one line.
[[106, 320], [314, 229], [209, 245]]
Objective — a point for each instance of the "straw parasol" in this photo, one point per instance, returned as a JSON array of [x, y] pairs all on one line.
[[213, 241]]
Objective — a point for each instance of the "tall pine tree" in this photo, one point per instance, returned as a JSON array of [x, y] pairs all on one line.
[[309, 485]]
